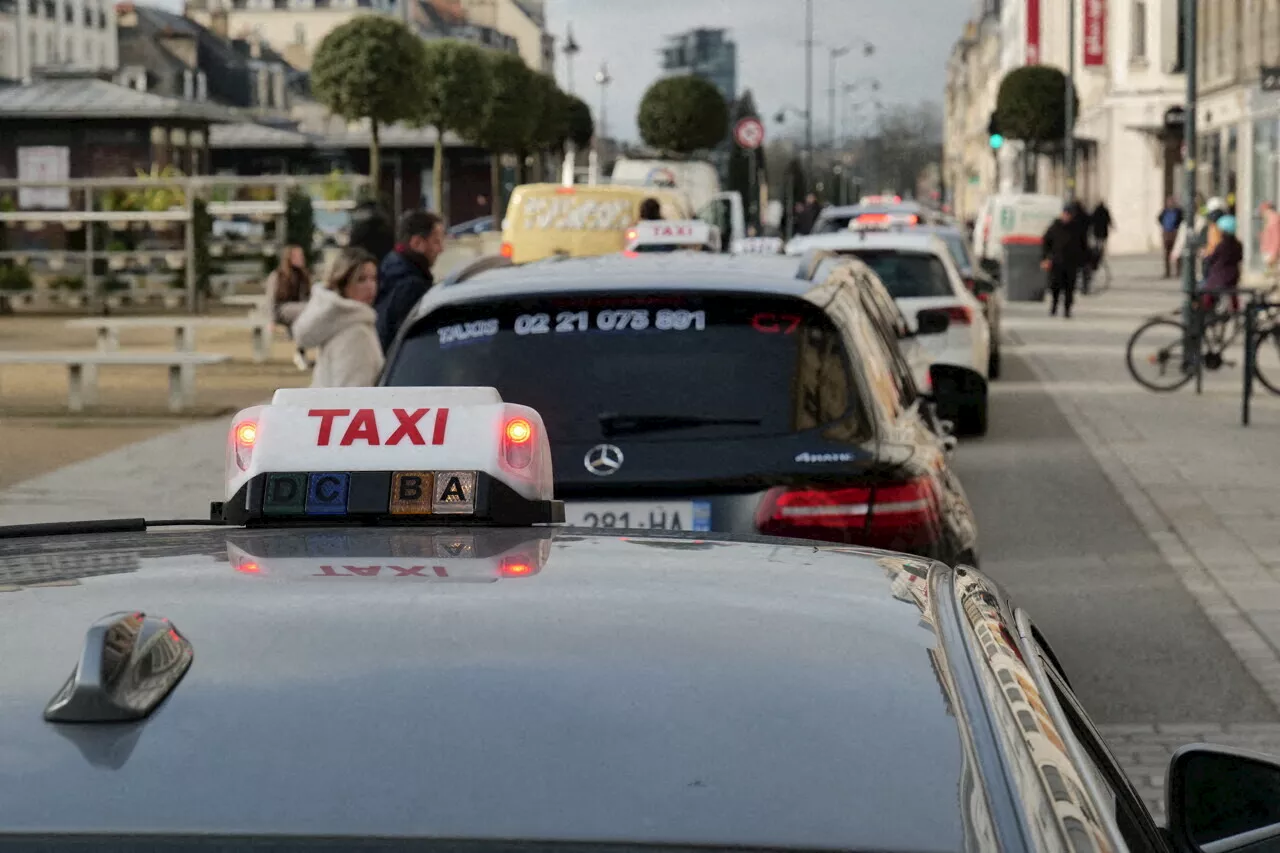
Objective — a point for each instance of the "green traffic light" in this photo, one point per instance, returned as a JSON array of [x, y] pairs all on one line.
[[996, 140]]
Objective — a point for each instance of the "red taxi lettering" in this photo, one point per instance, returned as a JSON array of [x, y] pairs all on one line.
[[411, 571], [364, 427], [408, 427], [364, 571], [326, 422], [776, 324]]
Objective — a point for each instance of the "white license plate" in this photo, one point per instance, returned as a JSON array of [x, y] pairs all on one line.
[[640, 515]]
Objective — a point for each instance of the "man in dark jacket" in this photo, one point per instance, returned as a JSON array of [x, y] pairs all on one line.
[[405, 275], [807, 216], [1064, 253]]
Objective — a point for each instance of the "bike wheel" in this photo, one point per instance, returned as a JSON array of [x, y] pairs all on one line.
[[1155, 357], [1266, 359]]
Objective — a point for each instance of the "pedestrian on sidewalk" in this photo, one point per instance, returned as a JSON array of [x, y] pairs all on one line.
[[807, 216], [1081, 226], [1062, 257], [339, 319], [1269, 240], [1170, 219], [289, 287], [1101, 223], [404, 276]]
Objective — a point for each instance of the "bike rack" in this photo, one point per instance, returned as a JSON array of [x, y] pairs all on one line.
[[1257, 305]]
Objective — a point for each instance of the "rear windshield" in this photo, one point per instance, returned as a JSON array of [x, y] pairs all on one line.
[[772, 365], [907, 275]]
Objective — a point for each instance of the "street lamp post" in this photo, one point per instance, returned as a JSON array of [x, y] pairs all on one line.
[[1069, 140], [571, 50], [1191, 340], [603, 79], [808, 89], [834, 54]]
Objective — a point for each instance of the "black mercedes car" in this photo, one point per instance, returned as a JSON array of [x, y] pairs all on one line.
[[746, 394]]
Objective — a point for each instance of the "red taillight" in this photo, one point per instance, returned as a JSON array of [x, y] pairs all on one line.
[[508, 250], [873, 217], [958, 314], [517, 567], [894, 516], [517, 443], [249, 568]]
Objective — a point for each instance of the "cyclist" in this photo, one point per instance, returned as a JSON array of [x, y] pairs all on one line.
[[1223, 262]]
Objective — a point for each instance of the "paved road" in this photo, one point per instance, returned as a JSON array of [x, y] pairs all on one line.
[[1059, 537]]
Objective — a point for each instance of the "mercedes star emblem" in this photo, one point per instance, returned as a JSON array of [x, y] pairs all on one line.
[[603, 460]]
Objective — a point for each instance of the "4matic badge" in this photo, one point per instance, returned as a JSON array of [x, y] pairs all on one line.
[[824, 457]]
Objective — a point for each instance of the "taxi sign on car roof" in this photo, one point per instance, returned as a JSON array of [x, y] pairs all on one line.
[[692, 234], [400, 455]]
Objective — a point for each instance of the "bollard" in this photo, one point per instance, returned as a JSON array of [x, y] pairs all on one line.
[[1250, 332]]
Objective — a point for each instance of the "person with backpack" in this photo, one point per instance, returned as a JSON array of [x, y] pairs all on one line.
[[1223, 262]]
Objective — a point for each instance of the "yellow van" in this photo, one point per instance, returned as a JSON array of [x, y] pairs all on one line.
[[581, 221]]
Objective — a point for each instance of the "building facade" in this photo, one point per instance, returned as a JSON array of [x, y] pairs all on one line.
[[1238, 124], [73, 35], [972, 83], [708, 54], [1128, 70], [523, 20]]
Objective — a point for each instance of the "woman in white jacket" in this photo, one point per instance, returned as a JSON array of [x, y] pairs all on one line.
[[339, 320]]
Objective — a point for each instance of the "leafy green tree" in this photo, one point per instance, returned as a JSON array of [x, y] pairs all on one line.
[[509, 122], [1031, 107], [681, 115], [455, 92], [582, 127], [551, 127], [370, 68]]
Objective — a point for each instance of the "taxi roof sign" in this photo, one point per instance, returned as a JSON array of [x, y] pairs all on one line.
[[407, 455], [693, 233]]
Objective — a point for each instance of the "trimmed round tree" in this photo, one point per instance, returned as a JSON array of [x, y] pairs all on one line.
[[455, 92], [511, 118], [370, 68], [1031, 106], [582, 127], [681, 115]]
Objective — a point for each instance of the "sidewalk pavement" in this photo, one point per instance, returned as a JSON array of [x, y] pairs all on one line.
[[1205, 488]]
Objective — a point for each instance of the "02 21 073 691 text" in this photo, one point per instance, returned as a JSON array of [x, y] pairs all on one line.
[[612, 320]]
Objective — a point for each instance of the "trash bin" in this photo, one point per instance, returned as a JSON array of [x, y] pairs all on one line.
[[1023, 279]]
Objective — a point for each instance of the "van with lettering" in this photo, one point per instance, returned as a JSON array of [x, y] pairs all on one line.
[[582, 221]]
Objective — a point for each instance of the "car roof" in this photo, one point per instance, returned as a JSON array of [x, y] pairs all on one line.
[[678, 271], [643, 688], [906, 240], [905, 206]]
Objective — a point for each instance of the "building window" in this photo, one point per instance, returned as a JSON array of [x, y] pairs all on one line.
[[88, 16], [1027, 721], [69, 13], [50, 10], [102, 18], [1057, 786], [1138, 32], [31, 51], [1266, 176], [33, 8], [300, 35]]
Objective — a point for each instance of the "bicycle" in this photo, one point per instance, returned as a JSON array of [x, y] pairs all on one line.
[[1217, 325]]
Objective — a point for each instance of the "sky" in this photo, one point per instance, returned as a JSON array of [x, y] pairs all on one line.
[[912, 39]]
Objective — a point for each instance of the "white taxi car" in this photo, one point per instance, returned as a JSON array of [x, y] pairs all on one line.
[[918, 271], [666, 236]]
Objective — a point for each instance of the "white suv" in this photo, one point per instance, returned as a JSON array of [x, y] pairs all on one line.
[[918, 271]]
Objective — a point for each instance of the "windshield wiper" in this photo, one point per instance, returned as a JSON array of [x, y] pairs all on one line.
[[614, 424]]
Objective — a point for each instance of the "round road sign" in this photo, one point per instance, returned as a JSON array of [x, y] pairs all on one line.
[[749, 132]]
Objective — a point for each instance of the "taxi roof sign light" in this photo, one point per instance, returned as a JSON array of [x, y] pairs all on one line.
[[409, 455], [693, 233]]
